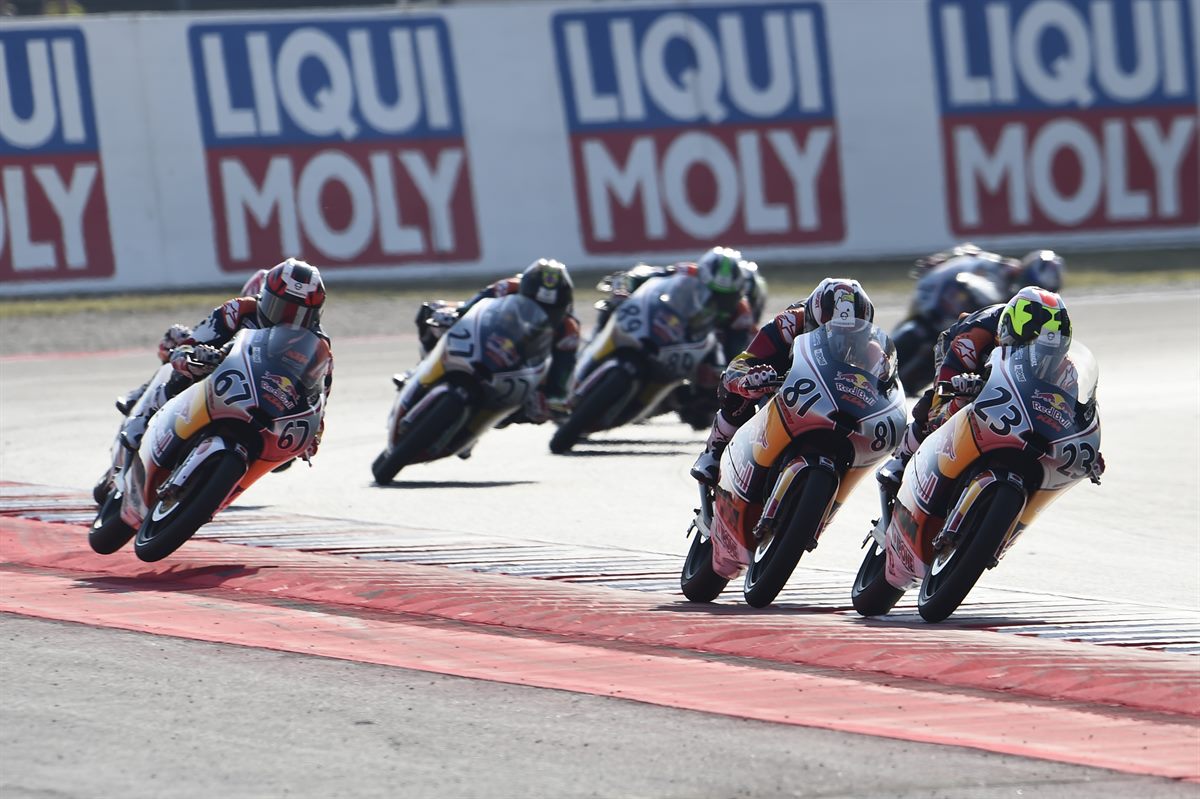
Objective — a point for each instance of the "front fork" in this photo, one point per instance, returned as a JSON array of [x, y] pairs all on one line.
[[889, 482], [702, 522]]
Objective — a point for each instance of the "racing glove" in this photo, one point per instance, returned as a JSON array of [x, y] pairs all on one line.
[[756, 382], [443, 317], [195, 361], [967, 384], [176, 335]]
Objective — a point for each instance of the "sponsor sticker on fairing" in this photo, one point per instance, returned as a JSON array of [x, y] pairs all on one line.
[[1067, 114], [693, 124], [339, 140], [53, 212]]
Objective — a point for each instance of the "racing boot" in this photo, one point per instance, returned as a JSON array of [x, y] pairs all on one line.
[[707, 467], [125, 404], [891, 473], [132, 432]]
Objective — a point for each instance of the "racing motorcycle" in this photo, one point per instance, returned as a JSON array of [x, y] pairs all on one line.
[[978, 481], [655, 342], [962, 284], [478, 374], [786, 472], [259, 409]]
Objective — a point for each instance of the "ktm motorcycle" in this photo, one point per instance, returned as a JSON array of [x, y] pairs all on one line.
[[259, 409], [978, 481], [942, 294], [785, 473], [655, 341], [478, 374]]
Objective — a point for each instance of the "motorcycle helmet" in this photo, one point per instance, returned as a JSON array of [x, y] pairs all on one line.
[[720, 271], [1044, 268], [292, 293], [547, 282], [837, 300], [1035, 313]]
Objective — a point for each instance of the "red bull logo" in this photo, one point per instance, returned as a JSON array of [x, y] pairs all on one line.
[[856, 387], [1054, 408], [281, 389], [502, 352]]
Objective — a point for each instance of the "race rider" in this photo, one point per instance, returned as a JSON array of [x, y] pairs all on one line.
[[181, 334], [754, 373], [1044, 268], [548, 283], [292, 292], [738, 292], [961, 353]]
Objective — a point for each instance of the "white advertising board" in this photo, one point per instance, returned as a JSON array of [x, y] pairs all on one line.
[[181, 151]]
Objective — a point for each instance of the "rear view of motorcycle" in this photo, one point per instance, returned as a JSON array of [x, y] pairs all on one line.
[[260, 408], [978, 481], [478, 374], [786, 471], [656, 340]]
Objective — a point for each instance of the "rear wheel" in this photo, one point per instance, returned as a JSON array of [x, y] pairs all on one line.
[[610, 390], [109, 533], [775, 560], [417, 436], [915, 356], [172, 521], [698, 580], [872, 594], [957, 567]]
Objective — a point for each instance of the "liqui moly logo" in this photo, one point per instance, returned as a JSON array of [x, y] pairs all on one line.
[[691, 125], [339, 141], [53, 212], [1067, 114]]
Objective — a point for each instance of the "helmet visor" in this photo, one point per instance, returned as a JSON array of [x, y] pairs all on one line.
[[275, 310]]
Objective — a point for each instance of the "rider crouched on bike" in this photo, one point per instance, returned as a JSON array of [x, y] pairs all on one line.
[[1043, 268], [961, 355], [736, 288], [292, 293], [755, 372], [548, 283]]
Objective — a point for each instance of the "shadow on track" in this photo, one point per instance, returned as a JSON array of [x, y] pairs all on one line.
[[453, 483]]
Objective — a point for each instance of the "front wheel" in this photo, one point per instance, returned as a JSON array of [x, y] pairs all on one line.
[[418, 436], [872, 594], [698, 580], [611, 390], [172, 521], [957, 567], [773, 562], [109, 533]]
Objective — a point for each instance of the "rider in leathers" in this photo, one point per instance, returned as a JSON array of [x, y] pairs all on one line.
[[961, 354], [292, 293], [753, 373]]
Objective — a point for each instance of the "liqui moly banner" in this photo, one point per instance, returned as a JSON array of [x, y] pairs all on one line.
[[337, 140], [1067, 114], [53, 215], [690, 125]]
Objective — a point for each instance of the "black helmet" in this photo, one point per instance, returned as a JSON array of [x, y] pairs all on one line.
[[546, 282], [292, 293]]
